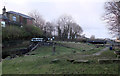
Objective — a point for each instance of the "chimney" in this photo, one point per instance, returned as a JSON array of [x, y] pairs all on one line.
[[4, 10]]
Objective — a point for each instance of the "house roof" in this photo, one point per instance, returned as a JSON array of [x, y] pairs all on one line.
[[23, 15]]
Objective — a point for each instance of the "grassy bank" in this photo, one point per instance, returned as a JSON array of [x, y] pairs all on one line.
[[13, 46], [0, 68], [39, 62]]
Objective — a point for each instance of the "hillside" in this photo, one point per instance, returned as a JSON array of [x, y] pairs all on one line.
[[40, 61]]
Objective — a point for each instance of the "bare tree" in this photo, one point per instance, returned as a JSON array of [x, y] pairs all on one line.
[[49, 27], [39, 21], [92, 37], [67, 27], [64, 20], [76, 29], [112, 17]]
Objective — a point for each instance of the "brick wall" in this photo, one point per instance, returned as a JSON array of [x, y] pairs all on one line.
[[29, 22]]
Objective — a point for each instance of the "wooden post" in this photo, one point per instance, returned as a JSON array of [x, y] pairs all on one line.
[[54, 48]]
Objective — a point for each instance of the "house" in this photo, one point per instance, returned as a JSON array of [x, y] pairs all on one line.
[[15, 18]]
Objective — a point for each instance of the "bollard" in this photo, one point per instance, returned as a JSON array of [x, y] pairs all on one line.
[[110, 48]]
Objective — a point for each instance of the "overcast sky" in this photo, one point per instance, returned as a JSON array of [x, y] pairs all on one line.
[[87, 13]]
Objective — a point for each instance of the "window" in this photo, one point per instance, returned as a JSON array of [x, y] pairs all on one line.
[[14, 18]]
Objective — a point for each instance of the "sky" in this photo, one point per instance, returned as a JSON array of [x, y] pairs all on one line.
[[87, 13]]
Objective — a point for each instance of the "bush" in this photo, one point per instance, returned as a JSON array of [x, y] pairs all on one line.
[[11, 32], [16, 33], [31, 31]]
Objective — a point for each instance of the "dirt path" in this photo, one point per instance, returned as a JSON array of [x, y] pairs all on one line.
[[95, 54], [98, 53]]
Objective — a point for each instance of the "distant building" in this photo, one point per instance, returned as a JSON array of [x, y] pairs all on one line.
[[117, 40], [15, 18]]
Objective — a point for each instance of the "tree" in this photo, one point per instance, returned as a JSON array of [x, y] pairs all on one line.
[[49, 28], [67, 27], [92, 37], [39, 21], [59, 32], [76, 30], [63, 23], [112, 17]]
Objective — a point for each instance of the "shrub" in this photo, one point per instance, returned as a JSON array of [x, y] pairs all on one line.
[[32, 31], [11, 32], [15, 32]]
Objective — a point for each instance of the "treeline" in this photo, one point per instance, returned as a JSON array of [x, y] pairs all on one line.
[[65, 27]]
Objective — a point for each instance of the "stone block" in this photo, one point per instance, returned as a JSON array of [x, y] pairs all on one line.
[[55, 60], [80, 61], [70, 60], [104, 61]]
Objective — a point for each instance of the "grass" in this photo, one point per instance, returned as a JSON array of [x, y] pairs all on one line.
[[0, 68], [78, 46], [40, 63]]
